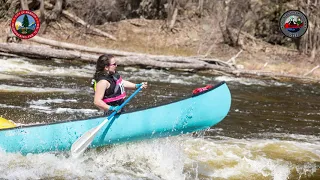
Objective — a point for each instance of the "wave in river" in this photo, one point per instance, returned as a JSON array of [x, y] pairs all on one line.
[[178, 158]]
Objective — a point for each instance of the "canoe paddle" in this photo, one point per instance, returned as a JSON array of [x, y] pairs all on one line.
[[85, 140], [4, 123]]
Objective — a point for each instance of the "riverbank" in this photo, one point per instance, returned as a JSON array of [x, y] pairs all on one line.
[[191, 37]]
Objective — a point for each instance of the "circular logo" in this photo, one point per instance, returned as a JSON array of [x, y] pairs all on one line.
[[293, 23], [25, 24]]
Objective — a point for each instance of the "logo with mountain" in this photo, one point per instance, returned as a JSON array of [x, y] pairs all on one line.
[[293, 23], [25, 24]]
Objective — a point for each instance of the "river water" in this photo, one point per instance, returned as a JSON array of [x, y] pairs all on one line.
[[271, 132]]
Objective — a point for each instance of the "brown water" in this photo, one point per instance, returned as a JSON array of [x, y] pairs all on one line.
[[271, 132]]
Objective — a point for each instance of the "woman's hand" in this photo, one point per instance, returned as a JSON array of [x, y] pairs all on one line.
[[114, 108], [143, 84]]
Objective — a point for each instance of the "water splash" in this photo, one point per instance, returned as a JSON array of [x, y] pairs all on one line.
[[182, 157]]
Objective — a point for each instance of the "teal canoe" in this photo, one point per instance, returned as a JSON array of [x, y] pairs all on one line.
[[195, 113]]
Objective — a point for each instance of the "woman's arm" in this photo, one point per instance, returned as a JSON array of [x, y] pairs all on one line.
[[128, 84], [101, 87]]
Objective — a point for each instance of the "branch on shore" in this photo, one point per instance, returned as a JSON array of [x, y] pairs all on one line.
[[137, 60], [233, 59], [313, 69], [78, 20]]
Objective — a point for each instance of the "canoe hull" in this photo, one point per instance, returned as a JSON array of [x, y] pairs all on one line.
[[188, 115]]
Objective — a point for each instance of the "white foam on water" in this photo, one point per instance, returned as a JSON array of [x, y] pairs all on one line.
[[154, 159], [6, 76], [74, 111], [9, 88], [43, 109], [39, 166], [43, 105], [240, 159], [24, 67], [164, 76], [294, 137], [50, 101], [181, 157], [250, 81], [311, 113], [10, 106]]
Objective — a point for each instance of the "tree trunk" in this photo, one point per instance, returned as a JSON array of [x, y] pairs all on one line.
[[44, 52], [24, 4], [42, 18], [315, 40], [200, 8], [174, 18], [223, 24], [13, 7], [56, 11], [50, 16], [171, 8]]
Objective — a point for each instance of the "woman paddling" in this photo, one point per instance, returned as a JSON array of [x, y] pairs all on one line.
[[109, 86]]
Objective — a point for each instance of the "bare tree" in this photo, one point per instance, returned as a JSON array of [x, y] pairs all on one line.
[[24, 4], [310, 42], [13, 7]]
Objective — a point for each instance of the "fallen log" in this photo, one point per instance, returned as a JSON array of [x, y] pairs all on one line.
[[177, 59], [215, 61], [47, 52], [44, 52], [10, 55], [65, 45], [137, 60]]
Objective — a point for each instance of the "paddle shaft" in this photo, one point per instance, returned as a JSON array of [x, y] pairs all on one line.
[[114, 112], [124, 103], [81, 144]]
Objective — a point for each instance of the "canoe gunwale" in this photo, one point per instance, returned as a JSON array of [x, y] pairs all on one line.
[[129, 111]]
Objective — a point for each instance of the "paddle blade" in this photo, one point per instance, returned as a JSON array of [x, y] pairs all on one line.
[[83, 142], [4, 124]]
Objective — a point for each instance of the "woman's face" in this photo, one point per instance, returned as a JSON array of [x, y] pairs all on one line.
[[112, 66]]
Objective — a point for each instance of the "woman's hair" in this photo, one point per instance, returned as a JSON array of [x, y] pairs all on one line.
[[102, 62]]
